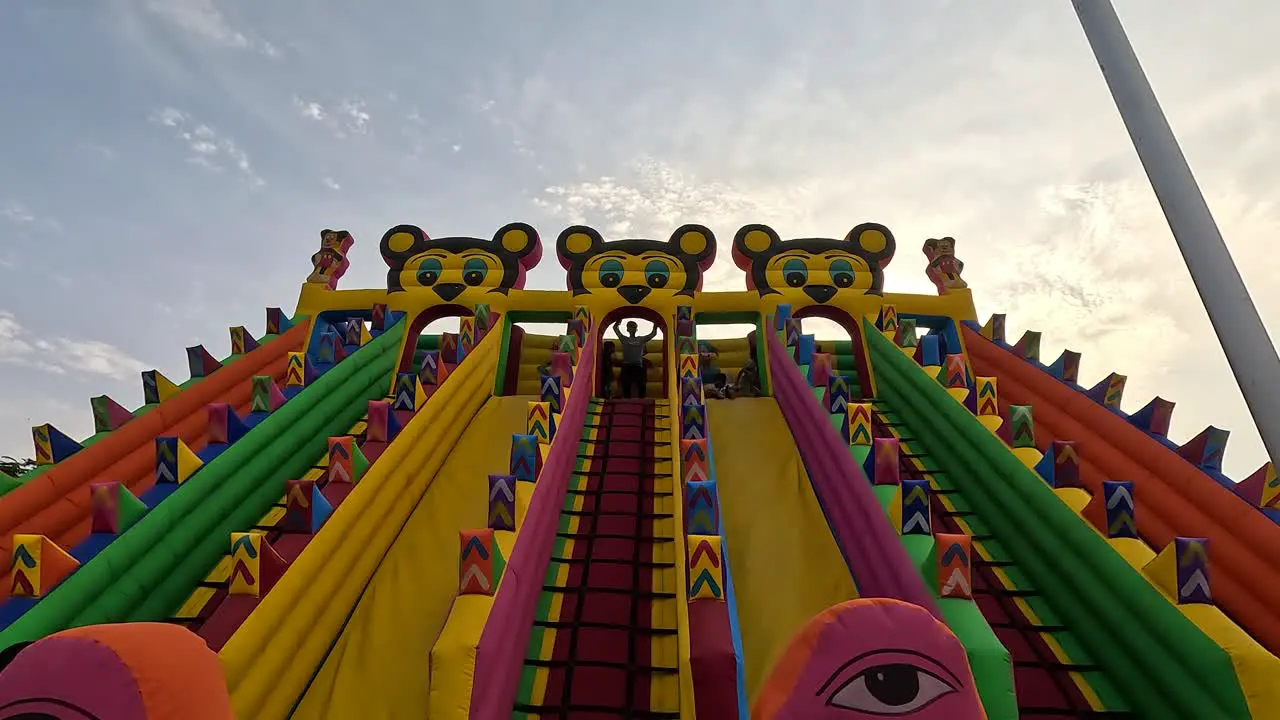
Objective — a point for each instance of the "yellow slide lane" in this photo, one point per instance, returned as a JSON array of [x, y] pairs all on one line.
[[380, 662], [786, 567]]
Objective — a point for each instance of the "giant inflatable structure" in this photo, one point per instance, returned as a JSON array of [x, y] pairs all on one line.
[[349, 518]]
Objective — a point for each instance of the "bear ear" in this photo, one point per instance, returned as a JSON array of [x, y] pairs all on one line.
[[694, 241], [520, 240], [874, 242], [577, 243], [401, 243], [751, 242]]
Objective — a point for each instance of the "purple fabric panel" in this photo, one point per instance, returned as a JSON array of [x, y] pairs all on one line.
[[877, 559], [500, 652], [80, 672]]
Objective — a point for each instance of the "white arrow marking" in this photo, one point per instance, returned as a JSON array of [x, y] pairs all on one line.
[[956, 580], [473, 573], [1197, 581], [917, 520], [1120, 492]]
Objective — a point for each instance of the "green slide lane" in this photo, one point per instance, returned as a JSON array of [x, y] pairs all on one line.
[[1164, 666], [149, 571], [988, 658]]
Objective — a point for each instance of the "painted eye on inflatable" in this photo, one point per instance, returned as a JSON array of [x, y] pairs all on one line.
[[611, 273], [429, 271], [474, 271], [795, 273], [841, 273], [888, 689], [656, 274]]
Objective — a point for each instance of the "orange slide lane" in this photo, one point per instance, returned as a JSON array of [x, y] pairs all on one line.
[[1173, 497], [56, 503]]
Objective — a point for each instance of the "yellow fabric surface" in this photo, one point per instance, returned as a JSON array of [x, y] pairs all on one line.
[[785, 564], [379, 666], [270, 661]]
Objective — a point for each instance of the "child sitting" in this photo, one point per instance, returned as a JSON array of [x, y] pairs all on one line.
[[720, 389], [748, 381]]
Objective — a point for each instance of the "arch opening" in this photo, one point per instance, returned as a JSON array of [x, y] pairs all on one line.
[[609, 363], [530, 343], [726, 345], [850, 355], [425, 333]]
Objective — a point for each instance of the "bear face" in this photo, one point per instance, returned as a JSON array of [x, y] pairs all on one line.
[[636, 268], [819, 267], [449, 266]]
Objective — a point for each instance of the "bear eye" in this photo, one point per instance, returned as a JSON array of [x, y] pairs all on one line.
[[842, 273], [474, 271], [656, 274], [795, 273], [429, 272], [611, 273]]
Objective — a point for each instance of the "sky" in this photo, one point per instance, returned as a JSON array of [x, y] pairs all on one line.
[[166, 165]]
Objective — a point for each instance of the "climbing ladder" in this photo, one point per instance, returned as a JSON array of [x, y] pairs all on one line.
[[1052, 675], [604, 638]]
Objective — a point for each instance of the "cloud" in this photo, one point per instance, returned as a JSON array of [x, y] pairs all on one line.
[[310, 109], [16, 213], [1091, 263], [207, 148], [203, 19], [331, 183], [345, 117], [21, 347]]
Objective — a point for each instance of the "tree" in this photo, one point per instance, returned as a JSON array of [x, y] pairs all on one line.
[[12, 466]]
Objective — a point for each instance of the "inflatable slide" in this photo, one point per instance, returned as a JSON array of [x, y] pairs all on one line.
[[358, 516]]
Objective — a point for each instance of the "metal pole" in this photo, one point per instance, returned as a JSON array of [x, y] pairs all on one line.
[[1240, 331]]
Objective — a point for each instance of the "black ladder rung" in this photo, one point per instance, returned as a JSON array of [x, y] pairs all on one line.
[[650, 564], [640, 515], [613, 536], [610, 491], [1009, 593], [636, 668], [570, 625], [601, 473], [580, 590], [623, 457]]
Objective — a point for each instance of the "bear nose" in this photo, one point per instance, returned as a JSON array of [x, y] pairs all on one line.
[[634, 293], [449, 291], [820, 293]]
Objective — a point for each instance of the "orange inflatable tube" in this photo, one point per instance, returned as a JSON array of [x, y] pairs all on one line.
[[56, 503], [1173, 497]]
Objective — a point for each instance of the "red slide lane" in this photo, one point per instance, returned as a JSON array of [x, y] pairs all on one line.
[[1173, 497], [56, 503]]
